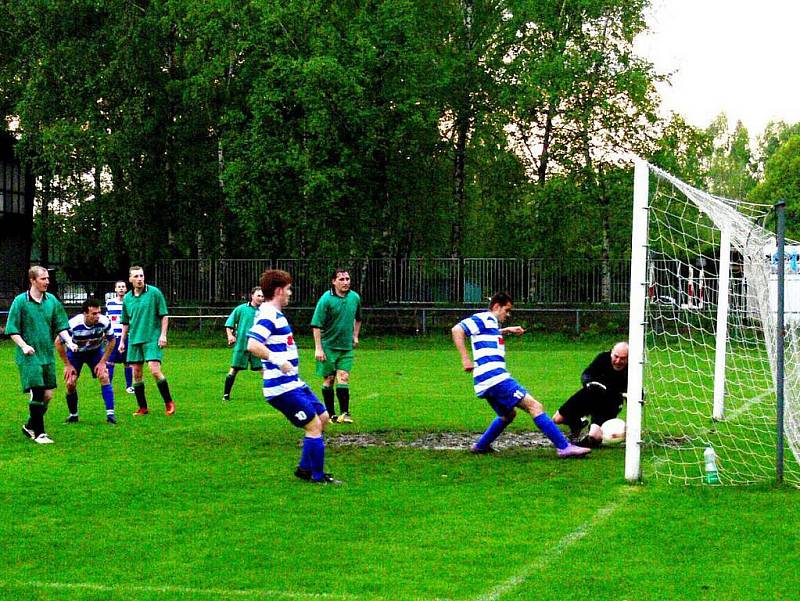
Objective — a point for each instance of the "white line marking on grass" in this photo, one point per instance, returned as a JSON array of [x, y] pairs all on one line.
[[746, 406], [557, 550], [211, 592]]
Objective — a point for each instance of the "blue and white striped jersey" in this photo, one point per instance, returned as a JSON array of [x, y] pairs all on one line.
[[114, 312], [89, 338], [272, 329], [488, 351]]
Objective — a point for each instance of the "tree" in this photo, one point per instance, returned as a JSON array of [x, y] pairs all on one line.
[[731, 171], [684, 151], [782, 182]]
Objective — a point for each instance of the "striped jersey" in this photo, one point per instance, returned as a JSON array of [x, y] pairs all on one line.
[[90, 338], [114, 312], [488, 351], [271, 328]]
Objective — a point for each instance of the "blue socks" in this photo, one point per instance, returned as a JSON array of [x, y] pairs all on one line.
[[108, 398], [313, 457], [128, 375], [305, 456], [549, 429], [494, 430]]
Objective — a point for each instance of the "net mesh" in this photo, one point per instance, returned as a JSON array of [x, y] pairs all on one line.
[[685, 226]]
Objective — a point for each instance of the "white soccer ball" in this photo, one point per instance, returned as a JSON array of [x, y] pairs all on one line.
[[613, 431]]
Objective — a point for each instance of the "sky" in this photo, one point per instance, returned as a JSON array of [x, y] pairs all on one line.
[[733, 56]]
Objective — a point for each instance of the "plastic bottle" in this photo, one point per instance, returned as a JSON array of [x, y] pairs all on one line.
[[712, 475]]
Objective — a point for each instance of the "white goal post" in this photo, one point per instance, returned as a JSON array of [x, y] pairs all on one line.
[[703, 335]]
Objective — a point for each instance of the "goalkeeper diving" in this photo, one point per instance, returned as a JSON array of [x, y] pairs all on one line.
[[600, 399]]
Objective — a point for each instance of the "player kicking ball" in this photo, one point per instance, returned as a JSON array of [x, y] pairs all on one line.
[[271, 340], [494, 383]]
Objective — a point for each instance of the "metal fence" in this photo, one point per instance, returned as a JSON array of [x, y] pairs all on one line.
[[384, 282], [416, 282]]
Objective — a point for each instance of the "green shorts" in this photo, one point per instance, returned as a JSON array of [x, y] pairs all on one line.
[[335, 360], [36, 375], [244, 360], [146, 351]]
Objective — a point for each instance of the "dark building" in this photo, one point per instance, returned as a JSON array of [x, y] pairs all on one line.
[[16, 222]]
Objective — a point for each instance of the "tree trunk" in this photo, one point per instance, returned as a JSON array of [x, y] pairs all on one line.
[[459, 186], [548, 133], [44, 222]]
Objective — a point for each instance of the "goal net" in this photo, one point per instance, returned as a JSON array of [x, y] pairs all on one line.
[[704, 331]]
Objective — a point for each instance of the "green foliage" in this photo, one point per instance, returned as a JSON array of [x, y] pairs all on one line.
[[782, 182], [172, 129], [683, 151], [731, 171]]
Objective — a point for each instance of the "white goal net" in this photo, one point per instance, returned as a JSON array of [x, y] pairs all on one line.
[[704, 331]]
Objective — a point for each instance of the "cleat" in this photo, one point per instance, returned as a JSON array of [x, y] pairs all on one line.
[[575, 435], [170, 407], [72, 419], [28, 432], [327, 479], [344, 418], [130, 390], [334, 419], [43, 438], [476, 450], [588, 442], [141, 411], [303, 473], [226, 397], [573, 451], [111, 419]]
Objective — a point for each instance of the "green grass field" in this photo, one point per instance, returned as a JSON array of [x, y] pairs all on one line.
[[203, 505]]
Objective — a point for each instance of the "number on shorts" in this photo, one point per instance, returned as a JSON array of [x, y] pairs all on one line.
[[300, 415], [518, 395]]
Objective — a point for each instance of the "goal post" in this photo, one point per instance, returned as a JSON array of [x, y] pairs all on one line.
[[703, 332], [721, 339], [636, 323]]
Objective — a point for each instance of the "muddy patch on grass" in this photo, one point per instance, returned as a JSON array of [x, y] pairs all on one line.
[[437, 441]]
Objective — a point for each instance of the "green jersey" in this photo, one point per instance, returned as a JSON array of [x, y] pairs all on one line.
[[143, 314], [241, 320], [335, 316], [38, 323]]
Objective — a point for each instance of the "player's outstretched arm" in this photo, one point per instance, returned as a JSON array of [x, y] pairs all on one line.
[[518, 330]]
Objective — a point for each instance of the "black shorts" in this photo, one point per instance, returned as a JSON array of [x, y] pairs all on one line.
[[594, 402]]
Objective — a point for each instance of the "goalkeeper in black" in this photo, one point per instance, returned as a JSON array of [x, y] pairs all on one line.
[[604, 383]]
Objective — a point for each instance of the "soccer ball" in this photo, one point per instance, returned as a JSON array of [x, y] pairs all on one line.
[[613, 431]]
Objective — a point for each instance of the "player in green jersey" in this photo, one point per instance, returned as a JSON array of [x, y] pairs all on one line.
[[336, 325], [238, 324], [34, 321], [145, 320]]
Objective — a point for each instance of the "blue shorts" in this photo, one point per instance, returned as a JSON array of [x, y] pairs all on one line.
[[90, 358], [299, 405], [503, 397], [117, 357]]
